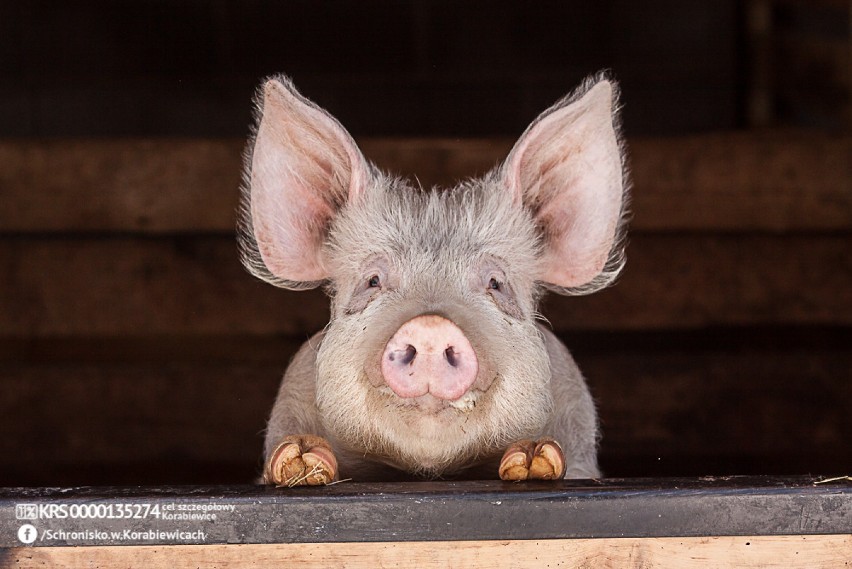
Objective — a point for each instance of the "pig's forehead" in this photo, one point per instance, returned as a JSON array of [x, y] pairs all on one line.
[[445, 226]]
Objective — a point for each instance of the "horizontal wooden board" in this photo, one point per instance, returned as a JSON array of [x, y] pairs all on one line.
[[106, 185], [196, 286], [735, 181], [664, 410], [790, 552], [115, 413], [725, 407], [767, 180], [254, 349], [431, 511]]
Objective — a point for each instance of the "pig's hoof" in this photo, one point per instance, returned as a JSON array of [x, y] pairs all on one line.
[[301, 460], [533, 460]]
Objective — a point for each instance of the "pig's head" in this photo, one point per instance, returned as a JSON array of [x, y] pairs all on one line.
[[433, 358]]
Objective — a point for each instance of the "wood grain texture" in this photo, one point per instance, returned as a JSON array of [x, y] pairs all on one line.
[[759, 403], [788, 552], [113, 185], [765, 181], [435, 511], [181, 286], [118, 413]]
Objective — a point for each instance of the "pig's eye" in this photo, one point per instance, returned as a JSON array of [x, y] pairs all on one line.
[[374, 282], [493, 284]]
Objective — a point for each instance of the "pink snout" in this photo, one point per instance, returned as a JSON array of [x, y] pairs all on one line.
[[429, 354]]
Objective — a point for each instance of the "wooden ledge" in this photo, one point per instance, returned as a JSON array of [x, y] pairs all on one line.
[[678, 523], [428, 511]]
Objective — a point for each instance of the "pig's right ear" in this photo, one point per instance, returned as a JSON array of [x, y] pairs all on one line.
[[302, 168], [569, 170]]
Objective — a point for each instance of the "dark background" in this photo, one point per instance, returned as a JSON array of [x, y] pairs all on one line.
[[134, 349], [417, 68]]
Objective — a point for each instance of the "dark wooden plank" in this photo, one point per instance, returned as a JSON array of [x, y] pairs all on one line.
[[757, 405], [200, 412], [437, 162], [767, 181], [112, 185], [730, 410], [272, 349], [196, 286], [699, 281], [186, 349], [437, 511], [144, 287]]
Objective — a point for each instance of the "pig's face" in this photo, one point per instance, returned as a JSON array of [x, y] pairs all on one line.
[[432, 352], [433, 357]]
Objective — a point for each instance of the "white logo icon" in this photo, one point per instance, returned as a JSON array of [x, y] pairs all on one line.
[[26, 511], [27, 533]]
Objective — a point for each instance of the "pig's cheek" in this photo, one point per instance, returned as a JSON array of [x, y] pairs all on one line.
[[485, 375]]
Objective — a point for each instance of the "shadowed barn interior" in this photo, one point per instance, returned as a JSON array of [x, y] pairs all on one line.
[[135, 349]]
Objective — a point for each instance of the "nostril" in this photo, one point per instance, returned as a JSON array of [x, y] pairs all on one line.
[[452, 359], [408, 357], [405, 356]]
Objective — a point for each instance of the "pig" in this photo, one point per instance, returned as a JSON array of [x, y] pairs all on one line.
[[435, 362]]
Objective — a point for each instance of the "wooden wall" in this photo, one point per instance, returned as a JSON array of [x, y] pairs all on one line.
[[135, 349]]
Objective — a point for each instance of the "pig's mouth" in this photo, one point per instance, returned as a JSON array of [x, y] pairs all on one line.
[[431, 405]]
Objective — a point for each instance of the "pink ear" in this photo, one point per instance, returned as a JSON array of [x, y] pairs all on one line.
[[568, 169], [304, 166]]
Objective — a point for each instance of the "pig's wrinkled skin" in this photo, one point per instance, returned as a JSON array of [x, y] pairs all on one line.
[[474, 259]]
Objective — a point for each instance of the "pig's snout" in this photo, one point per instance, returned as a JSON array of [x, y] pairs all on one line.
[[429, 354]]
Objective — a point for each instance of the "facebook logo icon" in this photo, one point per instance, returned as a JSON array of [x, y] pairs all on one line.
[[27, 533]]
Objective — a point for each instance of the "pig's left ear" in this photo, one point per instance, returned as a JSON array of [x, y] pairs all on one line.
[[568, 169]]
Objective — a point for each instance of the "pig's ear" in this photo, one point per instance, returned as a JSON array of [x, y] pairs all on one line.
[[302, 168], [568, 169]]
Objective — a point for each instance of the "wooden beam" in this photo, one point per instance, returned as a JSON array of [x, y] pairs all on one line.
[[736, 181], [698, 281], [428, 511], [119, 185], [764, 181], [790, 552], [182, 286]]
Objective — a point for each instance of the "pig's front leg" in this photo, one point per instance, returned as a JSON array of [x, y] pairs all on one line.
[[296, 451], [573, 424], [301, 460], [533, 460]]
